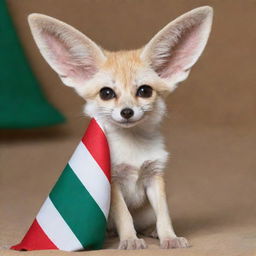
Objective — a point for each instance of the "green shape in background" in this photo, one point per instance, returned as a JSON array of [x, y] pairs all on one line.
[[22, 103]]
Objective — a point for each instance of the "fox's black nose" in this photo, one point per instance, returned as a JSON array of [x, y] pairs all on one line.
[[127, 113]]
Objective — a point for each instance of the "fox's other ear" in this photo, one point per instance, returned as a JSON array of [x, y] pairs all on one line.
[[176, 48], [70, 53]]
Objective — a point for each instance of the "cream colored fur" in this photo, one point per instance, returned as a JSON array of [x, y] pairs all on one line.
[[137, 148]]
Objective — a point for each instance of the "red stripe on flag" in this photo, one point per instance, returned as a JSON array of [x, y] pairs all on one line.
[[96, 142], [35, 239]]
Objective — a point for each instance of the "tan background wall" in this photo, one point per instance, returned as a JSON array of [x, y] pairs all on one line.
[[210, 129], [221, 87]]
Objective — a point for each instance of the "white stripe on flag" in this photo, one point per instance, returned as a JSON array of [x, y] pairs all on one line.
[[93, 178], [56, 228]]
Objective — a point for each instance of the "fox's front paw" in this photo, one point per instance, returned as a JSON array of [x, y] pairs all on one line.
[[132, 244], [174, 242]]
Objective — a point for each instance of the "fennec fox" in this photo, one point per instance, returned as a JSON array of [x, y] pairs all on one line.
[[125, 91]]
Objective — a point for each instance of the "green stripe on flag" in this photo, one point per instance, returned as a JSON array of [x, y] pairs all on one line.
[[79, 210]]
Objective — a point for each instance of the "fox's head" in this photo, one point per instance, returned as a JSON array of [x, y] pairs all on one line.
[[125, 88]]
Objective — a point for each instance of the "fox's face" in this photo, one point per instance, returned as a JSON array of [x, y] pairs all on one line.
[[125, 88], [125, 91]]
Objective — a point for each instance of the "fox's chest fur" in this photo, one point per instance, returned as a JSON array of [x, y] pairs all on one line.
[[135, 157]]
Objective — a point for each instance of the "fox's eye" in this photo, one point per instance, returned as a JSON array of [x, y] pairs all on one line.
[[107, 93], [144, 91]]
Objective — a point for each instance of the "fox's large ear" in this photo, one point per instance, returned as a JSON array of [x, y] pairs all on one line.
[[176, 48], [70, 53]]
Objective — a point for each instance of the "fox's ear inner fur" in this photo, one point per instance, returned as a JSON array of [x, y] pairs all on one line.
[[75, 57], [176, 48]]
